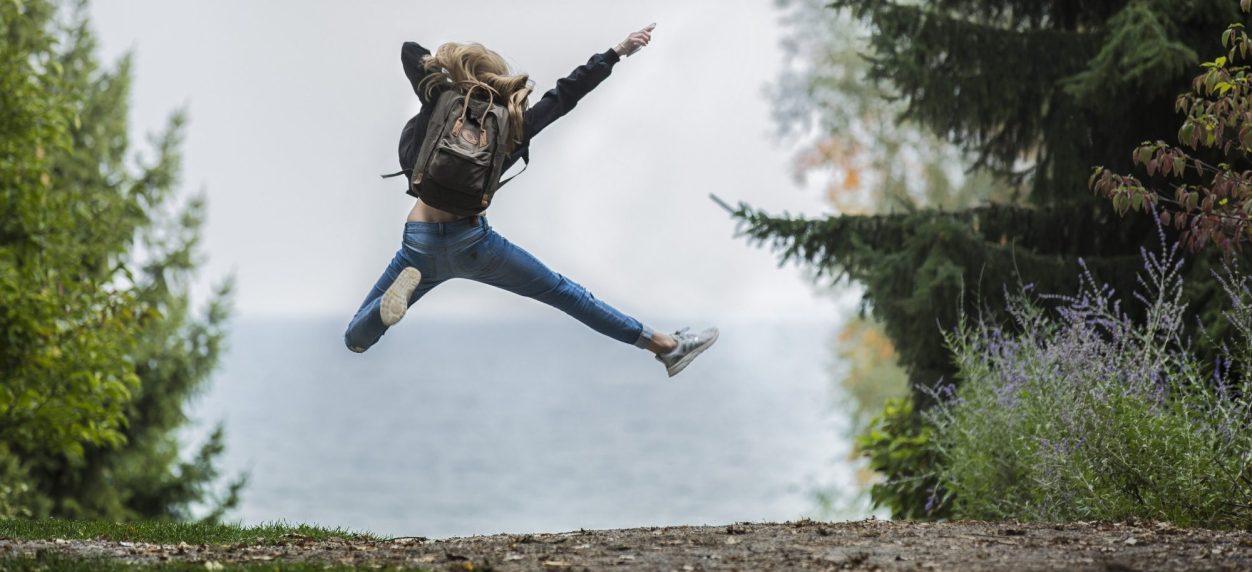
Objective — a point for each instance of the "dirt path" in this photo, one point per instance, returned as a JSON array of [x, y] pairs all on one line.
[[865, 545]]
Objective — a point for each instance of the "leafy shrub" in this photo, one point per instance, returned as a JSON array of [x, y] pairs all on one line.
[[14, 488], [1079, 412], [1209, 200], [100, 345], [900, 445]]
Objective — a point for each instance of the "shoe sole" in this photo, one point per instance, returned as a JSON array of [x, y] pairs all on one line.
[[682, 363], [396, 298]]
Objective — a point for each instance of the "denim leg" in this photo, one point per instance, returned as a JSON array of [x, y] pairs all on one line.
[[519, 272], [366, 327]]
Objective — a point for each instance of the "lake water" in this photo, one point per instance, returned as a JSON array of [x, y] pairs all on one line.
[[460, 428]]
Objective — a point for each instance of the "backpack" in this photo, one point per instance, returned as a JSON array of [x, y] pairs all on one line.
[[461, 159]]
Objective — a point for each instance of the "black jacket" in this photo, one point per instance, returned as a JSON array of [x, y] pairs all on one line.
[[556, 102]]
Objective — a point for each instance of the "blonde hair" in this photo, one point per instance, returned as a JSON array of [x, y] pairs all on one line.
[[465, 65]]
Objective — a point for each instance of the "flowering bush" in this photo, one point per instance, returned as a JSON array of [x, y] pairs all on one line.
[[1079, 412]]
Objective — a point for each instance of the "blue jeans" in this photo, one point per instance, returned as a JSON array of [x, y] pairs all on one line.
[[469, 248]]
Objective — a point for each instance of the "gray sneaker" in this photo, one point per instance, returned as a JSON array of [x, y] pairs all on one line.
[[689, 346], [396, 298]]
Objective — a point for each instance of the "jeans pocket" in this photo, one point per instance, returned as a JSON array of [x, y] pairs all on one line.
[[480, 255], [421, 248]]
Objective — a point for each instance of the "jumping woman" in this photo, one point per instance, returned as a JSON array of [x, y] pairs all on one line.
[[447, 236]]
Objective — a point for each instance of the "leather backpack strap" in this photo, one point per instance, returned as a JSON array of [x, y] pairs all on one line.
[[434, 129]]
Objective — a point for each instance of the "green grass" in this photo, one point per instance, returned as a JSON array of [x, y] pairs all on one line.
[[163, 533], [54, 563], [169, 532]]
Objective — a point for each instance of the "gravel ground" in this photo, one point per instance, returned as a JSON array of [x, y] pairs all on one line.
[[864, 545]]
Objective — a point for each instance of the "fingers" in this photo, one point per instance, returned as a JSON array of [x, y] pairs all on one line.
[[637, 40], [642, 37]]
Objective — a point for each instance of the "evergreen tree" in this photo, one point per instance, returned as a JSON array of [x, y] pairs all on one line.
[[99, 347], [1035, 93]]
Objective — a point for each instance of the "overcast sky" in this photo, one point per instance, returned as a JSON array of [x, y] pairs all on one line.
[[296, 106]]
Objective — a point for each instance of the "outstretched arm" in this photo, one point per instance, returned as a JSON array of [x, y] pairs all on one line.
[[569, 90]]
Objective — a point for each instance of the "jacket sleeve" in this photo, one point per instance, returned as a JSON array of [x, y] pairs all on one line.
[[561, 99], [411, 56]]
